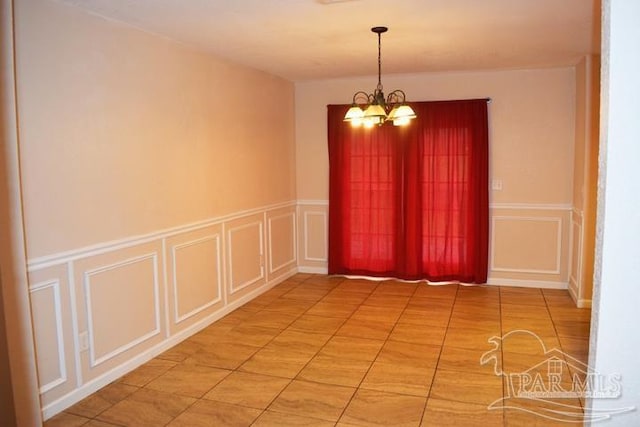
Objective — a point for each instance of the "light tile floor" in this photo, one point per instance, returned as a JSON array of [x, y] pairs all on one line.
[[329, 351]]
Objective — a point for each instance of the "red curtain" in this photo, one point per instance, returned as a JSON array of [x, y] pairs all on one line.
[[411, 202]]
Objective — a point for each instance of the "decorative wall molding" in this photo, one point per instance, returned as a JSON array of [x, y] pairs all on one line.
[[74, 321], [313, 202], [39, 263], [576, 233], [575, 283], [54, 285], [88, 303], [552, 209], [573, 289], [305, 222], [161, 285], [300, 211], [249, 282], [556, 220], [532, 206], [294, 252], [496, 205], [97, 383], [580, 302], [164, 313], [174, 279], [165, 288]]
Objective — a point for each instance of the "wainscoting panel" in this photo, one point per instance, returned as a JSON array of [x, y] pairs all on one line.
[[53, 332], [576, 249], [49, 334], [539, 248], [313, 220], [120, 303], [245, 255], [580, 279], [101, 311], [281, 239], [529, 242], [529, 245], [138, 316], [195, 276]]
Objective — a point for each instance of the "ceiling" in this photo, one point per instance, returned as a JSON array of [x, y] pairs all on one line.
[[318, 39]]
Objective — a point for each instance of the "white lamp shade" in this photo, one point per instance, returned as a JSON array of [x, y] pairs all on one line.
[[354, 113], [375, 110], [402, 112]]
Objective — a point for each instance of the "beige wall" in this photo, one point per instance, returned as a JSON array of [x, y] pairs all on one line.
[[531, 127], [532, 133], [126, 133], [154, 189]]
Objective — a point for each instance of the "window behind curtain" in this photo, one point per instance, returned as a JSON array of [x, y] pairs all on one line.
[[411, 202]]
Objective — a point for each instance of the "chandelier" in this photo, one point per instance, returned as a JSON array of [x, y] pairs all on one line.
[[368, 109]]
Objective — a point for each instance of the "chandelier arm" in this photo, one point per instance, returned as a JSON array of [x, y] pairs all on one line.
[[363, 94], [396, 97]]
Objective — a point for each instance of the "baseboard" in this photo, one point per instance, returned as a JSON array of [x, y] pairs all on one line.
[[573, 291], [313, 270], [497, 281], [493, 281], [584, 303], [96, 384], [580, 302]]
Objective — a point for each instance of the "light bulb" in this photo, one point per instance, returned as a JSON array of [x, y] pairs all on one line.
[[401, 121]]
